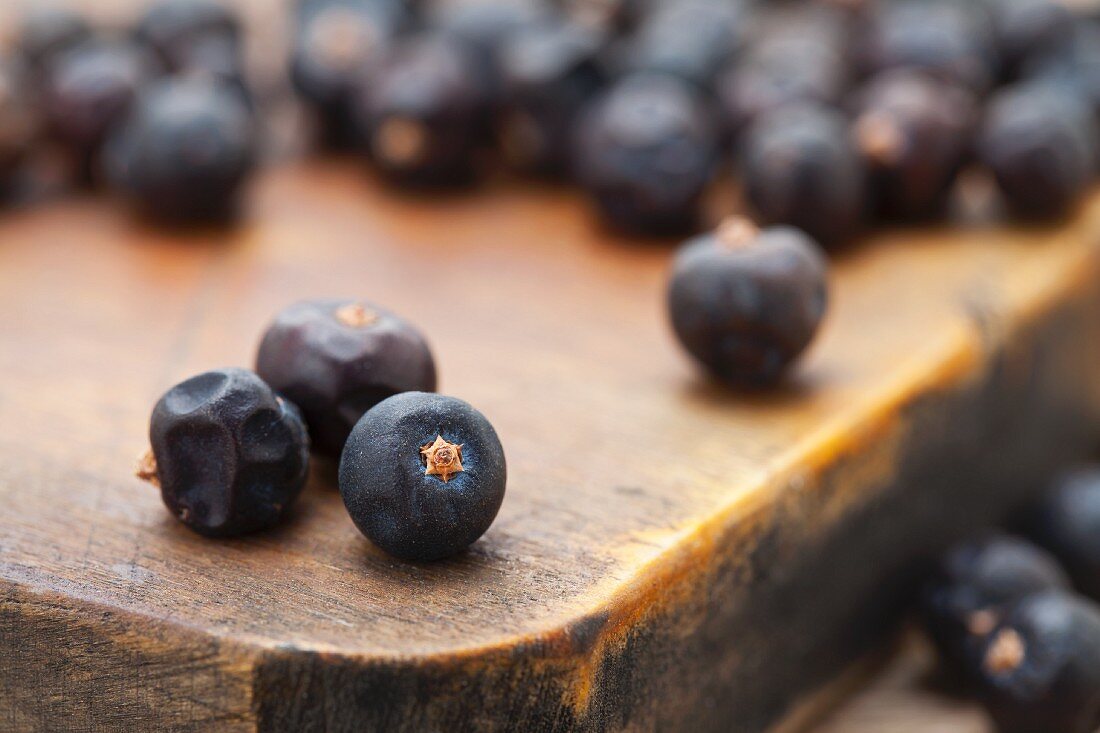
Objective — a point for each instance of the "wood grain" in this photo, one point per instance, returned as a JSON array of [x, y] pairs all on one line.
[[669, 555]]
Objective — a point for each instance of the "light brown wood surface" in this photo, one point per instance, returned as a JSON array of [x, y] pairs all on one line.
[[639, 493]]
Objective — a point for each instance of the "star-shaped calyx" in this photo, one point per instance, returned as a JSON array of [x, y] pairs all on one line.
[[442, 458], [355, 315]]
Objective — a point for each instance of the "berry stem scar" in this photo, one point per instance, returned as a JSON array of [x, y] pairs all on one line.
[[442, 458]]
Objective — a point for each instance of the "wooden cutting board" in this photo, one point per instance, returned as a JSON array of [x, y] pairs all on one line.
[[670, 555]]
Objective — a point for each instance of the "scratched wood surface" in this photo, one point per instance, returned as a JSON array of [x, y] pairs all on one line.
[[669, 555]]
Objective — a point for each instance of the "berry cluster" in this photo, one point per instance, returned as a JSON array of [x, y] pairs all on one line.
[[832, 115], [160, 112], [1005, 617], [422, 475]]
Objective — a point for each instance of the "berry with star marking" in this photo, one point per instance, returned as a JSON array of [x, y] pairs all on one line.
[[423, 475]]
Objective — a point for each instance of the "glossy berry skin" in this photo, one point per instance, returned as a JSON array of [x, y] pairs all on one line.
[[231, 456], [187, 152], [689, 39], [173, 29], [1039, 671], [548, 74], [423, 112], [645, 153], [336, 359], [746, 303], [1067, 523], [914, 134], [1040, 143], [49, 31], [18, 122], [799, 167], [90, 93], [972, 587], [390, 494], [951, 41], [333, 45]]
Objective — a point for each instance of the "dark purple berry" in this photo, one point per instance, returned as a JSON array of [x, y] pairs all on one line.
[[605, 15], [229, 455], [645, 152], [690, 39], [549, 73], [973, 586], [423, 475], [746, 302], [18, 121], [1027, 28], [800, 167], [915, 134], [331, 49], [484, 26], [1067, 522], [90, 93], [49, 31], [423, 112], [1074, 65], [1039, 670], [778, 72], [173, 29], [336, 359], [1040, 143], [187, 152], [946, 39]]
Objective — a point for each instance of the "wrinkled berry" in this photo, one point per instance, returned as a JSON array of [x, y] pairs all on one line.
[[49, 31], [549, 73], [91, 91], [423, 112], [972, 587], [229, 455], [423, 475], [1040, 668], [1041, 145], [645, 153], [1067, 522], [173, 29], [914, 133], [331, 49], [690, 39], [800, 167], [746, 302], [336, 359], [949, 40]]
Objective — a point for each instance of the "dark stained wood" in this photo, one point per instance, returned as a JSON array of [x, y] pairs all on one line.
[[669, 555]]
